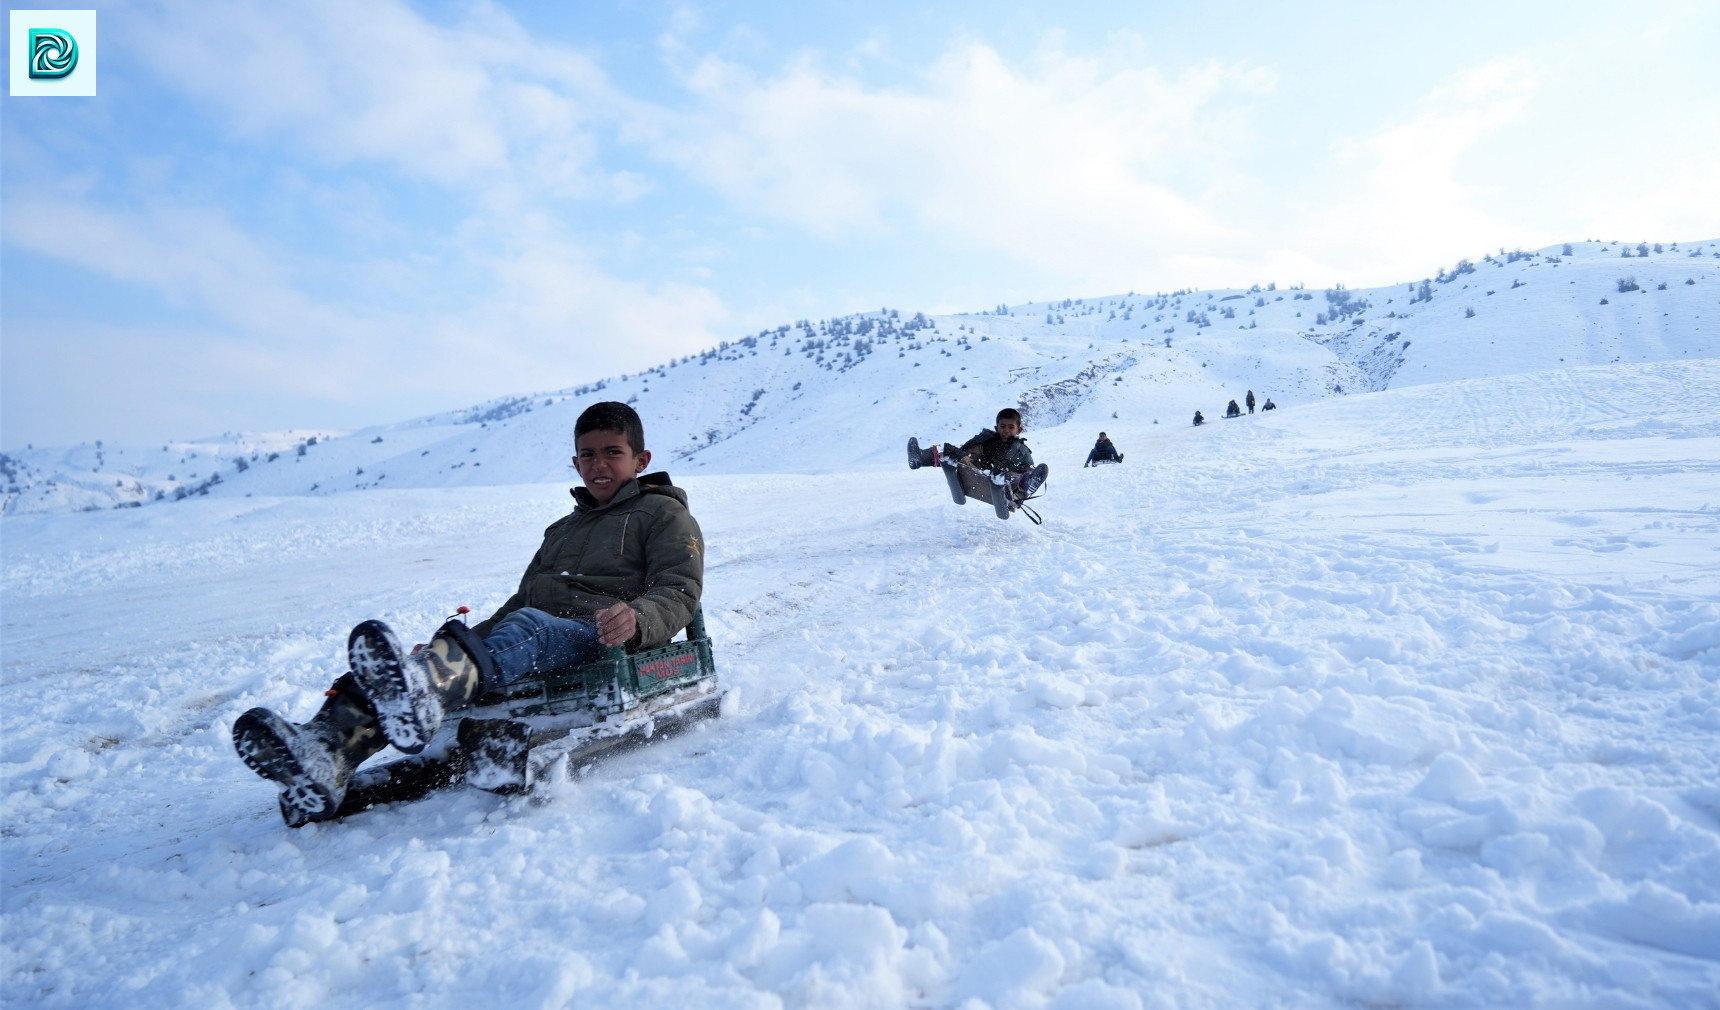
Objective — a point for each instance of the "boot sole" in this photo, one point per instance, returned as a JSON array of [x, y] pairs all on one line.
[[379, 665], [913, 453], [259, 738]]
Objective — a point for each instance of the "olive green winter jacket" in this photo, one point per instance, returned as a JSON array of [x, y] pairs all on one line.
[[643, 547], [995, 454]]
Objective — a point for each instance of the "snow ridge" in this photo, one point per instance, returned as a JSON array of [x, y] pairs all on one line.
[[851, 388]]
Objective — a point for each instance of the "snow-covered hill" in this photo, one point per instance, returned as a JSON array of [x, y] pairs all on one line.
[[846, 392], [1401, 699]]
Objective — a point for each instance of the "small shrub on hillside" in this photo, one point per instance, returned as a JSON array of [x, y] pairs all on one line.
[[1462, 267], [1626, 284]]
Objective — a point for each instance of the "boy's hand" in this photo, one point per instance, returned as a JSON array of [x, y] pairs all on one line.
[[616, 625]]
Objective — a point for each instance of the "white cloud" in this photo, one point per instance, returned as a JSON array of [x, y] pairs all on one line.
[[547, 316], [192, 257], [1412, 207], [1068, 166], [1681, 204], [481, 102], [508, 298]]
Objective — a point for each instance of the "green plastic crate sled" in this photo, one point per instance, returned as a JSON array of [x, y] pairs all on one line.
[[504, 742]]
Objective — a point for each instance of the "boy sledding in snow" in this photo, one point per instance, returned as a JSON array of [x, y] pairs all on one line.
[[999, 450], [626, 568], [1103, 452]]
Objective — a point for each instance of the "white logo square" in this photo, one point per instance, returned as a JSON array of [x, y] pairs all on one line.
[[53, 53]]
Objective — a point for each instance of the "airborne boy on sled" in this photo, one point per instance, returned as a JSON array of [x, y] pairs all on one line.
[[995, 465], [624, 570]]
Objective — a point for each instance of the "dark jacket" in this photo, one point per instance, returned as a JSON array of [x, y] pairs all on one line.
[[993, 453], [1103, 449], [643, 547]]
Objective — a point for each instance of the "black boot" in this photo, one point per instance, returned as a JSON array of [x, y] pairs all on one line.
[[1029, 483], [312, 762], [918, 457], [411, 692]]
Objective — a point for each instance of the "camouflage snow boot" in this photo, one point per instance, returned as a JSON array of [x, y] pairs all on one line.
[[312, 762], [412, 691]]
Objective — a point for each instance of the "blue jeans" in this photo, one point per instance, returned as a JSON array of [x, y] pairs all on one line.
[[530, 641]]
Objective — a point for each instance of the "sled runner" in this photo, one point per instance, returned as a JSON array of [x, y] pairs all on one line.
[[503, 742], [969, 481]]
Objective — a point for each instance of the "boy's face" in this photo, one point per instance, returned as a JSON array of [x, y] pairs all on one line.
[[606, 462], [1008, 428]]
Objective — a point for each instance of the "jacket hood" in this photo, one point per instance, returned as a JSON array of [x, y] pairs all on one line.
[[657, 482]]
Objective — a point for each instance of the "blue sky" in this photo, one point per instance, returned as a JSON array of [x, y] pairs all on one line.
[[303, 215]]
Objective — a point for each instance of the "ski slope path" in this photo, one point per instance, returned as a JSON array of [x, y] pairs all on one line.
[[1403, 699]]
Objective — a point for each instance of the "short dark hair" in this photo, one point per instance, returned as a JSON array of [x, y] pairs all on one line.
[[611, 415], [1009, 414]]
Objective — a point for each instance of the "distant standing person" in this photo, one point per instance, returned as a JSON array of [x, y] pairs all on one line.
[[1103, 451], [1251, 401], [1233, 410]]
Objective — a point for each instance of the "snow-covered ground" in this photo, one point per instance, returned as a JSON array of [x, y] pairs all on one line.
[[1409, 698]]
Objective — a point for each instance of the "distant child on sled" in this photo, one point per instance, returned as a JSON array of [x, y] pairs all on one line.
[[999, 450], [1103, 452]]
